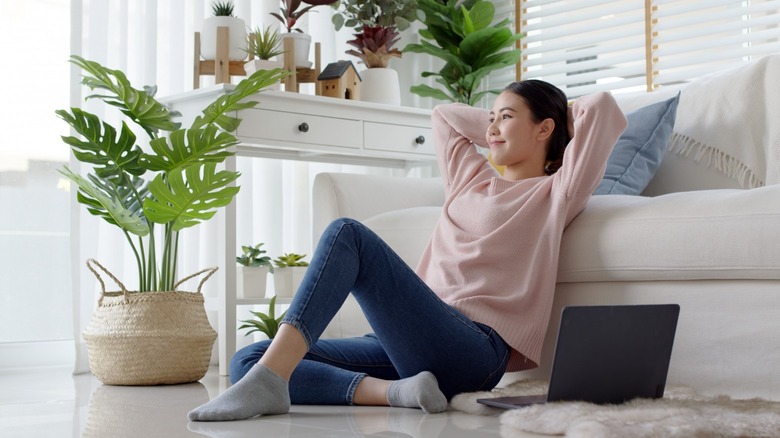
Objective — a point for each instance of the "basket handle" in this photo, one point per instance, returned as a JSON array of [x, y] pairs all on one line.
[[210, 271], [91, 264]]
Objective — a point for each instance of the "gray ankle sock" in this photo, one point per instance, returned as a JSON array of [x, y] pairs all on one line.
[[260, 392], [420, 391]]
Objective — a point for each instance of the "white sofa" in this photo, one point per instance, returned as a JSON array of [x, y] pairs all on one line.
[[695, 238]]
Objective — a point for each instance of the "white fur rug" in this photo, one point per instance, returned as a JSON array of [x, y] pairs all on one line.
[[681, 413]]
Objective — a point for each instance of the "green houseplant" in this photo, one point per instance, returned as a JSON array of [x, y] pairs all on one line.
[[253, 272], [264, 44], [290, 11], [288, 273], [152, 192], [376, 24], [175, 184], [267, 324], [470, 44], [223, 17]]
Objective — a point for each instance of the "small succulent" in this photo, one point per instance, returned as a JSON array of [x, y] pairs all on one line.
[[253, 256], [290, 14], [222, 9], [374, 45], [290, 259], [268, 324], [264, 44]]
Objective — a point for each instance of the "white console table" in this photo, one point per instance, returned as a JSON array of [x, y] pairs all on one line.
[[309, 128]]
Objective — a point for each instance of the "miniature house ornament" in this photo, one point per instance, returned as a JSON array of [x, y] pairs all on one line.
[[341, 80]]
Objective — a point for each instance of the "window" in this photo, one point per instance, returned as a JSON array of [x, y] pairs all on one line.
[[585, 46], [35, 296]]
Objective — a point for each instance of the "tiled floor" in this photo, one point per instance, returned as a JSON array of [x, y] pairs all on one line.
[[53, 403]]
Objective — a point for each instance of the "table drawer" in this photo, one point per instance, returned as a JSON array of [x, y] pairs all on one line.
[[398, 138], [300, 128]]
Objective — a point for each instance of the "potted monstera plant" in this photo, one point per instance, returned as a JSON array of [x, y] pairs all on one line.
[[151, 191]]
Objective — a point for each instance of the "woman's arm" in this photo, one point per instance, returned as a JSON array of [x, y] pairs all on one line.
[[456, 129], [597, 125]]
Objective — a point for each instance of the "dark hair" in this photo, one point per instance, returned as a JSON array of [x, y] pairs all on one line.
[[546, 101]]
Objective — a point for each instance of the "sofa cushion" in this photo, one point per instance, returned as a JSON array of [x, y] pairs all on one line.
[[407, 231], [640, 149], [709, 234]]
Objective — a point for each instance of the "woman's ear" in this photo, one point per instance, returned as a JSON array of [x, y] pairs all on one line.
[[546, 129]]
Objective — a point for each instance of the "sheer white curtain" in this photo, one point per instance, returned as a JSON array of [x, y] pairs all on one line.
[[151, 41]]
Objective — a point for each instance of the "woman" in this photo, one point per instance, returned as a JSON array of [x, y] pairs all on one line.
[[479, 302]]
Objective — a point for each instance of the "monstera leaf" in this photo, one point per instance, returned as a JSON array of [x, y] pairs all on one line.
[[189, 197], [217, 112], [185, 147], [110, 154], [140, 106], [115, 204]]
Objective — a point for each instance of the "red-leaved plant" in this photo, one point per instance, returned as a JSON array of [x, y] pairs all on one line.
[[290, 14], [375, 45]]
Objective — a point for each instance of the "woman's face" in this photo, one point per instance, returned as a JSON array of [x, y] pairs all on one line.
[[515, 139]]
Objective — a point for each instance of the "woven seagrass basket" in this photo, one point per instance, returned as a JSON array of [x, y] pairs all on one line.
[[149, 338]]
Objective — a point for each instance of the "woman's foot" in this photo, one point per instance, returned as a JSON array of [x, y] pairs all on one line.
[[420, 391], [260, 392]]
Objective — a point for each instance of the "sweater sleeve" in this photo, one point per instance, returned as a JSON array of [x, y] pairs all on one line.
[[457, 128], [598, 123]]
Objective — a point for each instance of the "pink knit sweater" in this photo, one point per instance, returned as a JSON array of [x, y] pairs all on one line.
[[494, 252]]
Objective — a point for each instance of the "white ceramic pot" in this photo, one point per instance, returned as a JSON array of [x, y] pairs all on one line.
[[263, 64], [380, 85], [287, 280], [251, 281], [208, 37], [302, 45]]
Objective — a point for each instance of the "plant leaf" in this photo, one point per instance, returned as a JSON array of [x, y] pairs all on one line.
[[108, 204], [138, 105], [110, 155], [217, 112], [428, 91], [189, 196], [186, 147]]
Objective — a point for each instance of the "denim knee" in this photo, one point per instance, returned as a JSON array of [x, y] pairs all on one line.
[[246, 358]]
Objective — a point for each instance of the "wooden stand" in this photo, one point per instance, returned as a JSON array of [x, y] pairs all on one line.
[[221, 68], [299, 74]]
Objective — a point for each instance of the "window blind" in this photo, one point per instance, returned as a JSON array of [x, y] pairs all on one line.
[[584, 46], [695, 37]]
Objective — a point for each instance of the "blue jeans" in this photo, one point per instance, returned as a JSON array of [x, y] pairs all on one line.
[[414, 330]]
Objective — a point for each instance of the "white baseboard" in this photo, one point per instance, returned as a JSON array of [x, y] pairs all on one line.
[[22, 355]]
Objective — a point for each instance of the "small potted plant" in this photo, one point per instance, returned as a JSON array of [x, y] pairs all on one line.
[[223, 17], [376, 24], [264, 46], [290, 12], [289, 273], [253, 272], [266, 324]]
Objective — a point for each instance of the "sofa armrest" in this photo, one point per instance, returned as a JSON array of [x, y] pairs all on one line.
[[360, 197]]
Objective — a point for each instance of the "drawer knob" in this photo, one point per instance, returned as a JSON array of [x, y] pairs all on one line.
[[303, 127], [419, 140]]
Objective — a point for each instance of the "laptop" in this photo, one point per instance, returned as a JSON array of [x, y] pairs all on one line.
[[607, 355]]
